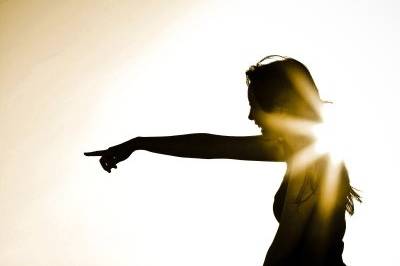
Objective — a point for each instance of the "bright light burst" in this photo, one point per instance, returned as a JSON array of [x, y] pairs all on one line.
[[329, 135]]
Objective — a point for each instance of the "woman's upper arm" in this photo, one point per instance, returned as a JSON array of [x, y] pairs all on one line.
[[251, 148], [259, 148]]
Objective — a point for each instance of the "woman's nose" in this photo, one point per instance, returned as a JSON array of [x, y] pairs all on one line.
[[251, 115]]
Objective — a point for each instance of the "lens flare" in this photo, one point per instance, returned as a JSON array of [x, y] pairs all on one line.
[[328, 135]]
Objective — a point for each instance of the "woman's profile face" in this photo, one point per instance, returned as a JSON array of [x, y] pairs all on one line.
[[260, 117], [255, 113]]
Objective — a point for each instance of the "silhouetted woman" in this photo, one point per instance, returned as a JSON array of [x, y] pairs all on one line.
[[311, 201]]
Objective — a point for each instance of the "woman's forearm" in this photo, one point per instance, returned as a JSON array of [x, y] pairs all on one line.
[[209, 146]]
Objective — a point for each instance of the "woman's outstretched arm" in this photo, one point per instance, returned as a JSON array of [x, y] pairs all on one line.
[[197, 145], [209, 146]]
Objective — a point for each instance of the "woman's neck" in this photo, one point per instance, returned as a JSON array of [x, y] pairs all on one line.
[[296, 149]]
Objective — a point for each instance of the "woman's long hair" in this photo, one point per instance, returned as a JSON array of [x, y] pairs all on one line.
[[286, 83]]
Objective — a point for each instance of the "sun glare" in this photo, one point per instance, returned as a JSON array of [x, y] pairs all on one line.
[[329, 137]]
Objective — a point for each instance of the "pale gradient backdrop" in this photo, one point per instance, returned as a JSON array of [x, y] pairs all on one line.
[[77, 76]]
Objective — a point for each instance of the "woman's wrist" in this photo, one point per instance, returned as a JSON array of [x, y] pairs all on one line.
[[134, 144], [130, 145]]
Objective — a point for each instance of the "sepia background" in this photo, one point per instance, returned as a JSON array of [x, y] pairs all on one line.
[[77, 76]]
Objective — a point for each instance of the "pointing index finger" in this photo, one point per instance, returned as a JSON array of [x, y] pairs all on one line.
[[94, 153]]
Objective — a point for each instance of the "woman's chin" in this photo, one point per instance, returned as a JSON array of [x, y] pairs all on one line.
[[266, 134]]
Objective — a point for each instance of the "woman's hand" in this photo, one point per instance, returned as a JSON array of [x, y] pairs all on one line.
[[111, 156]]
